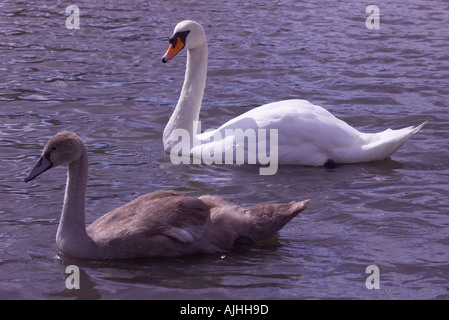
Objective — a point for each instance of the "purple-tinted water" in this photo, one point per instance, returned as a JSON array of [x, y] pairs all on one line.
[[105, 81]]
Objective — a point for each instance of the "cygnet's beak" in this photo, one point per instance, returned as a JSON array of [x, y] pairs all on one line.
[[41, 166], [173, 49]]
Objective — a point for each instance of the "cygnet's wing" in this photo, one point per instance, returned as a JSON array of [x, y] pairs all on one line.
[[167, 213]]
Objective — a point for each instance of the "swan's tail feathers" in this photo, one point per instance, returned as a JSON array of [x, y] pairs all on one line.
[[412, 129], [382, 145], [417, 128], [265, 220]]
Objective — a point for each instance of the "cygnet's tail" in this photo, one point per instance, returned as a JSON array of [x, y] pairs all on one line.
[[381, 145], [263, 221]]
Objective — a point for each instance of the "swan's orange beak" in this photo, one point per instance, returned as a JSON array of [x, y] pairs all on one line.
[[173, 50]]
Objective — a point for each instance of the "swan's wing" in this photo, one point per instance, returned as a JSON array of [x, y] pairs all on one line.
[[166, 213], [306, 133], [310, 135], [184, 235]]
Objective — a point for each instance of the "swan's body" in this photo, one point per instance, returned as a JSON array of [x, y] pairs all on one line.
[[307, 134], [162, 223]]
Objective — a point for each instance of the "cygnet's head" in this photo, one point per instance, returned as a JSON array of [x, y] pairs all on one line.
[[62, 149], [187, 34]]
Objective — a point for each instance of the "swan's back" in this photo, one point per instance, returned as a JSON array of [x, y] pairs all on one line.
[[162, 223], [310, 135], [168, 223], [306, 133]]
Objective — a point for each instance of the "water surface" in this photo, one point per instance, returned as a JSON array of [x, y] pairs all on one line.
[[105, 81]]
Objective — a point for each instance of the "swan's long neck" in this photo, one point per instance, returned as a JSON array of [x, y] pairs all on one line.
[[187, 110], [71, 237]]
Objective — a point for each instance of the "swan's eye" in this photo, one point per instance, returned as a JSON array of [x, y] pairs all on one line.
[[182, 35], [173, 41]]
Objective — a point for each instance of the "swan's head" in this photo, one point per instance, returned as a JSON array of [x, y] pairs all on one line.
[[187, 34], [62, 149]]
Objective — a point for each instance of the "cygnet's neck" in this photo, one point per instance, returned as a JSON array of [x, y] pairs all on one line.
[[71, 237], [187, 110]]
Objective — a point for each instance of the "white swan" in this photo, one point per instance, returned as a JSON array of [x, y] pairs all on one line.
[[307, 134], [162, 223]]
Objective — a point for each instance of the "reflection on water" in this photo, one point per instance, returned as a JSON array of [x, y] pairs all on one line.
[[105, 81]]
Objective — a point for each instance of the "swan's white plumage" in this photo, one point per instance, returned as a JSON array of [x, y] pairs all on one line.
[[307, 134]]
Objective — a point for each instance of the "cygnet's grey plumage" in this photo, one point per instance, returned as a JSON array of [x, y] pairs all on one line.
[[158, 224]]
